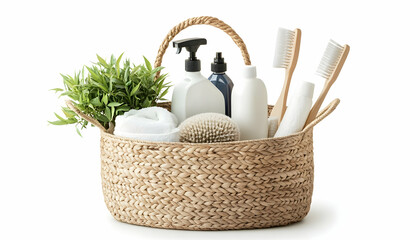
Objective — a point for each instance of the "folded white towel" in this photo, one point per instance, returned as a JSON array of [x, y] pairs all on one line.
[[150, 124], [172, 136]]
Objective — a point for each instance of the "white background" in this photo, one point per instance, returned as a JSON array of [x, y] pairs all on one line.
[[366, 152]]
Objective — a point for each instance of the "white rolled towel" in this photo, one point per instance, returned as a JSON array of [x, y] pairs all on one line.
[[151, 124]]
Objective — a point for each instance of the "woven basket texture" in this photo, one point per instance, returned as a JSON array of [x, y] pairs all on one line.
[[208, 187], [201, 186], [234, 185]]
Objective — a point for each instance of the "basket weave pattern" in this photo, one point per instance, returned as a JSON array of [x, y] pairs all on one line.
[[208, 186], [219, 186], [200, 186]]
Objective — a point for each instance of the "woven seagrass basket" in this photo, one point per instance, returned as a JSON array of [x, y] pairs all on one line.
[[219, 186]]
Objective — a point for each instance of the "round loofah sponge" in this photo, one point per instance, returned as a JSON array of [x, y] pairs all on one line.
[[208, 128]]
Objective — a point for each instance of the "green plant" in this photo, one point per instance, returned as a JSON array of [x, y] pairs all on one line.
[[109, 90]]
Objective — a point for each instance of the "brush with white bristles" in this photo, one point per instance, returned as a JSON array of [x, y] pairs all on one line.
[[285, 56], [329, 68]]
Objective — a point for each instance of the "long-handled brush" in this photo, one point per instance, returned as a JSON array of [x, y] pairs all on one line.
[[329, 68], [285, 56]]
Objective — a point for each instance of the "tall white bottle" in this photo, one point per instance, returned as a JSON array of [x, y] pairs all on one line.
[[195, 94], [298, 110], [249, 105]]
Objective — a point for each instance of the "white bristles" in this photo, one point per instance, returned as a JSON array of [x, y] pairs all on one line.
[[330, 59], [284, 46]]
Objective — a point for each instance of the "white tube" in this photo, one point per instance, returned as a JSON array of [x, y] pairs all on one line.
[[298, 110]]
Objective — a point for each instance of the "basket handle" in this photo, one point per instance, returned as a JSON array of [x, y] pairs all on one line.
[[323, 114], [84, 116], [212, 21]]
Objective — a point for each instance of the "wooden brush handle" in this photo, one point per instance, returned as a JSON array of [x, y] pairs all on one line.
[[315, 108], [328, 83], [280, 106]]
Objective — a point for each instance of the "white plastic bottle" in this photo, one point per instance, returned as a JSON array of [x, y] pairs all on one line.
[[249, 105], [195, 94], [298, 110]]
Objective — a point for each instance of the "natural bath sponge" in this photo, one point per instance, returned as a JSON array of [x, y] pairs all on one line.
[[208, 128]]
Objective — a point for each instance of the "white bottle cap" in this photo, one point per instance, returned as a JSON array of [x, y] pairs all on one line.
[[306, 89], [249, 71]]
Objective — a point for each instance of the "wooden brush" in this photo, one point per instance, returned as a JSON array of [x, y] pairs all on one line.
[[329, 68], [286, 56]]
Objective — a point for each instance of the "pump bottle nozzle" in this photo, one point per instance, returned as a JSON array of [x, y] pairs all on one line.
[[192, 64]]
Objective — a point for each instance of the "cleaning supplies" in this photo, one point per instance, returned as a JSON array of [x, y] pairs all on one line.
[[208, 128], [222, 81], [194, 94], [329, 68], [285, 56], [150, 124], [249, 105], [297, 112]]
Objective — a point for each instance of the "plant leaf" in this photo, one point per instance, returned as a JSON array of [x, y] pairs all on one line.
[[94, 75], [105, 99], [59, 117], [68, 112], [164, 93], [59, 122], [57, 89], [108, 113], [135, 69], [102, 61], [148, 65], [134, 90], [117, 64], [123, 109], [78, 131], [112, 112], [96, 102], [102, 118], [114, 104]]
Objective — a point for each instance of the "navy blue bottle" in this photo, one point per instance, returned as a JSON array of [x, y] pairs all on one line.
[[222, 81]]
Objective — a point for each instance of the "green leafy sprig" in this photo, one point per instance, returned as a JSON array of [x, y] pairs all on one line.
[[109, 90]]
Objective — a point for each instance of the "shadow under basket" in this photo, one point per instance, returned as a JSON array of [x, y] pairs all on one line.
[[220, 186], [217, 186]]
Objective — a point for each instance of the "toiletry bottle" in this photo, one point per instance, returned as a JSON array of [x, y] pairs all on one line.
[[298, 110], [194, 94], [249, 105], [222, 81]]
